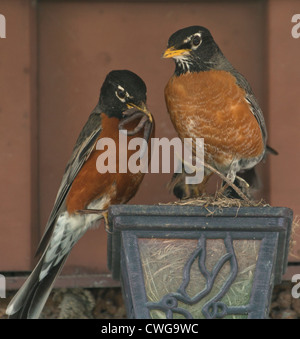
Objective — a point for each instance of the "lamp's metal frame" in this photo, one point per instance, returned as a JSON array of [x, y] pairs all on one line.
[[128, 223]]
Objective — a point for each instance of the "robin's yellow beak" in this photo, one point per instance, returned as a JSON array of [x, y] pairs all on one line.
[[143, 108], [173, 52]]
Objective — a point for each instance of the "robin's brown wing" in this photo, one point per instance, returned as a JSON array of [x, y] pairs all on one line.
[[81, 152], [252, 101], [222, 64]]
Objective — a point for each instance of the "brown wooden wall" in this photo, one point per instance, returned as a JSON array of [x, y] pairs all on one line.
[[52, 63]]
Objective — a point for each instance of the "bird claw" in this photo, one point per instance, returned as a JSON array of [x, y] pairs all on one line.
[[243, 182]]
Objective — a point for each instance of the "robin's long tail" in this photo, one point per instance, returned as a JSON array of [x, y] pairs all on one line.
[[32, 296]]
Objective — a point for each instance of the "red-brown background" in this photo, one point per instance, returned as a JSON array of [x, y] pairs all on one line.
[[52, 64]]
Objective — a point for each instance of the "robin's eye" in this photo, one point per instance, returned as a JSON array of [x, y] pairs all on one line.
[[121, 94], [196, 40]]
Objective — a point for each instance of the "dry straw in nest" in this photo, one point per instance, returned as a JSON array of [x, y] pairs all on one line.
[[163, 261], [219, 201]]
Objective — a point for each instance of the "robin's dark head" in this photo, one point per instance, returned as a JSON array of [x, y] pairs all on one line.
[[120, 91], [194, 50]]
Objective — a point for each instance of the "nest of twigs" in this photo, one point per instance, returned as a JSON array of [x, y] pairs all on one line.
[[220, 201]]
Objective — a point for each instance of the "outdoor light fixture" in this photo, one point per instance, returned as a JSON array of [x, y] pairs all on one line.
[[195, 262]]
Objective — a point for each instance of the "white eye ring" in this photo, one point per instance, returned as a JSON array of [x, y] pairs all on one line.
[[121, 94], [198, 40], [190, 40]]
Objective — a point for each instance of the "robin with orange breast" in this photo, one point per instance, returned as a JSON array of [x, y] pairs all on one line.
[[122, 105], [208, 98]]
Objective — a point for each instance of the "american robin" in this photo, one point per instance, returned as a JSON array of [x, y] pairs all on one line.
[[83, 189], [208, 98]]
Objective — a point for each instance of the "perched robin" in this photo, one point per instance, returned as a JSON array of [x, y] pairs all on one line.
[[208, 98], [84, 189]]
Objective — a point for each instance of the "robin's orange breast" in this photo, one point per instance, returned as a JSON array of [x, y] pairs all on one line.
[[90, 185], [212, 106]]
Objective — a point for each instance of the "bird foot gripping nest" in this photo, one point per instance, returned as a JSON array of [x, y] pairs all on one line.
[[184, 191], [229, 183]]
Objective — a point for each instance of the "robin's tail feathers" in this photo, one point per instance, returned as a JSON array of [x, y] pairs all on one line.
[[32, 296], [271, 150]]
